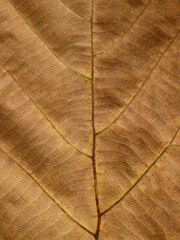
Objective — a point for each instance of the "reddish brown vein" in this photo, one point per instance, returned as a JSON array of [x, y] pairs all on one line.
[[94, 134]]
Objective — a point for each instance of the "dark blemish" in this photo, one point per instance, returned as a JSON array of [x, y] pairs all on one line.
[[5, 36], [135, 3]]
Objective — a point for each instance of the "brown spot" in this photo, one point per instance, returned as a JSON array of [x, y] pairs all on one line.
[[4, 36], [135, 3]]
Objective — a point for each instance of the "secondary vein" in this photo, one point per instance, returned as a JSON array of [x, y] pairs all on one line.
[[47, 193], [39, 37], [142, 85], [39, 110], [139, 179]]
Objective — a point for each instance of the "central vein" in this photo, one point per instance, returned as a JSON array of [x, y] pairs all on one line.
[[94, 132]]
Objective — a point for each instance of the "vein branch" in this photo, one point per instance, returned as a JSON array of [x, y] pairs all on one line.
[[139, 179], [142, 85], [54, 127], [75, 12], [39, 37], [131, 26], [48, 194]]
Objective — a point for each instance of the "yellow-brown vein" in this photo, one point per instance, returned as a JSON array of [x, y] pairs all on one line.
[[86, 19], [39, 37], [39, 110], [128, 30], [48, 194], [142, 85], [147, 170]]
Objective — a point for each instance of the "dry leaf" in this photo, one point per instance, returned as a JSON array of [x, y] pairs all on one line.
[[89, 119]]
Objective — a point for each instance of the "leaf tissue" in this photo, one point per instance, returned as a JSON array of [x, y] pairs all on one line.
[[89, 119]]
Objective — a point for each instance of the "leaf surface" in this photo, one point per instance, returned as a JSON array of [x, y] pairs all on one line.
[[89, 119], [151, 209]]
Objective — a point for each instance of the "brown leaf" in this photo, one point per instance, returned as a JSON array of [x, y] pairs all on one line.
[[89, 119]]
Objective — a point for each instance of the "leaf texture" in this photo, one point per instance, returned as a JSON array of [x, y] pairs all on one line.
[[151, 210], [22, 199], [89, 120]]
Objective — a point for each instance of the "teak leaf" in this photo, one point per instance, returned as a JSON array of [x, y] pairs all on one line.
[[89, 119]]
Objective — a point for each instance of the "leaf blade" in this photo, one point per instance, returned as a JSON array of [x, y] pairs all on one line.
[[152, 208], [148, 125], [29, 208], [55, 89], [28, 138], [121, 71]]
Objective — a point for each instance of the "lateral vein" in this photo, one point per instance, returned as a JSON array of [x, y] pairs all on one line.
[[152, 70], [34, 104], [49, 195], [139, 179]]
